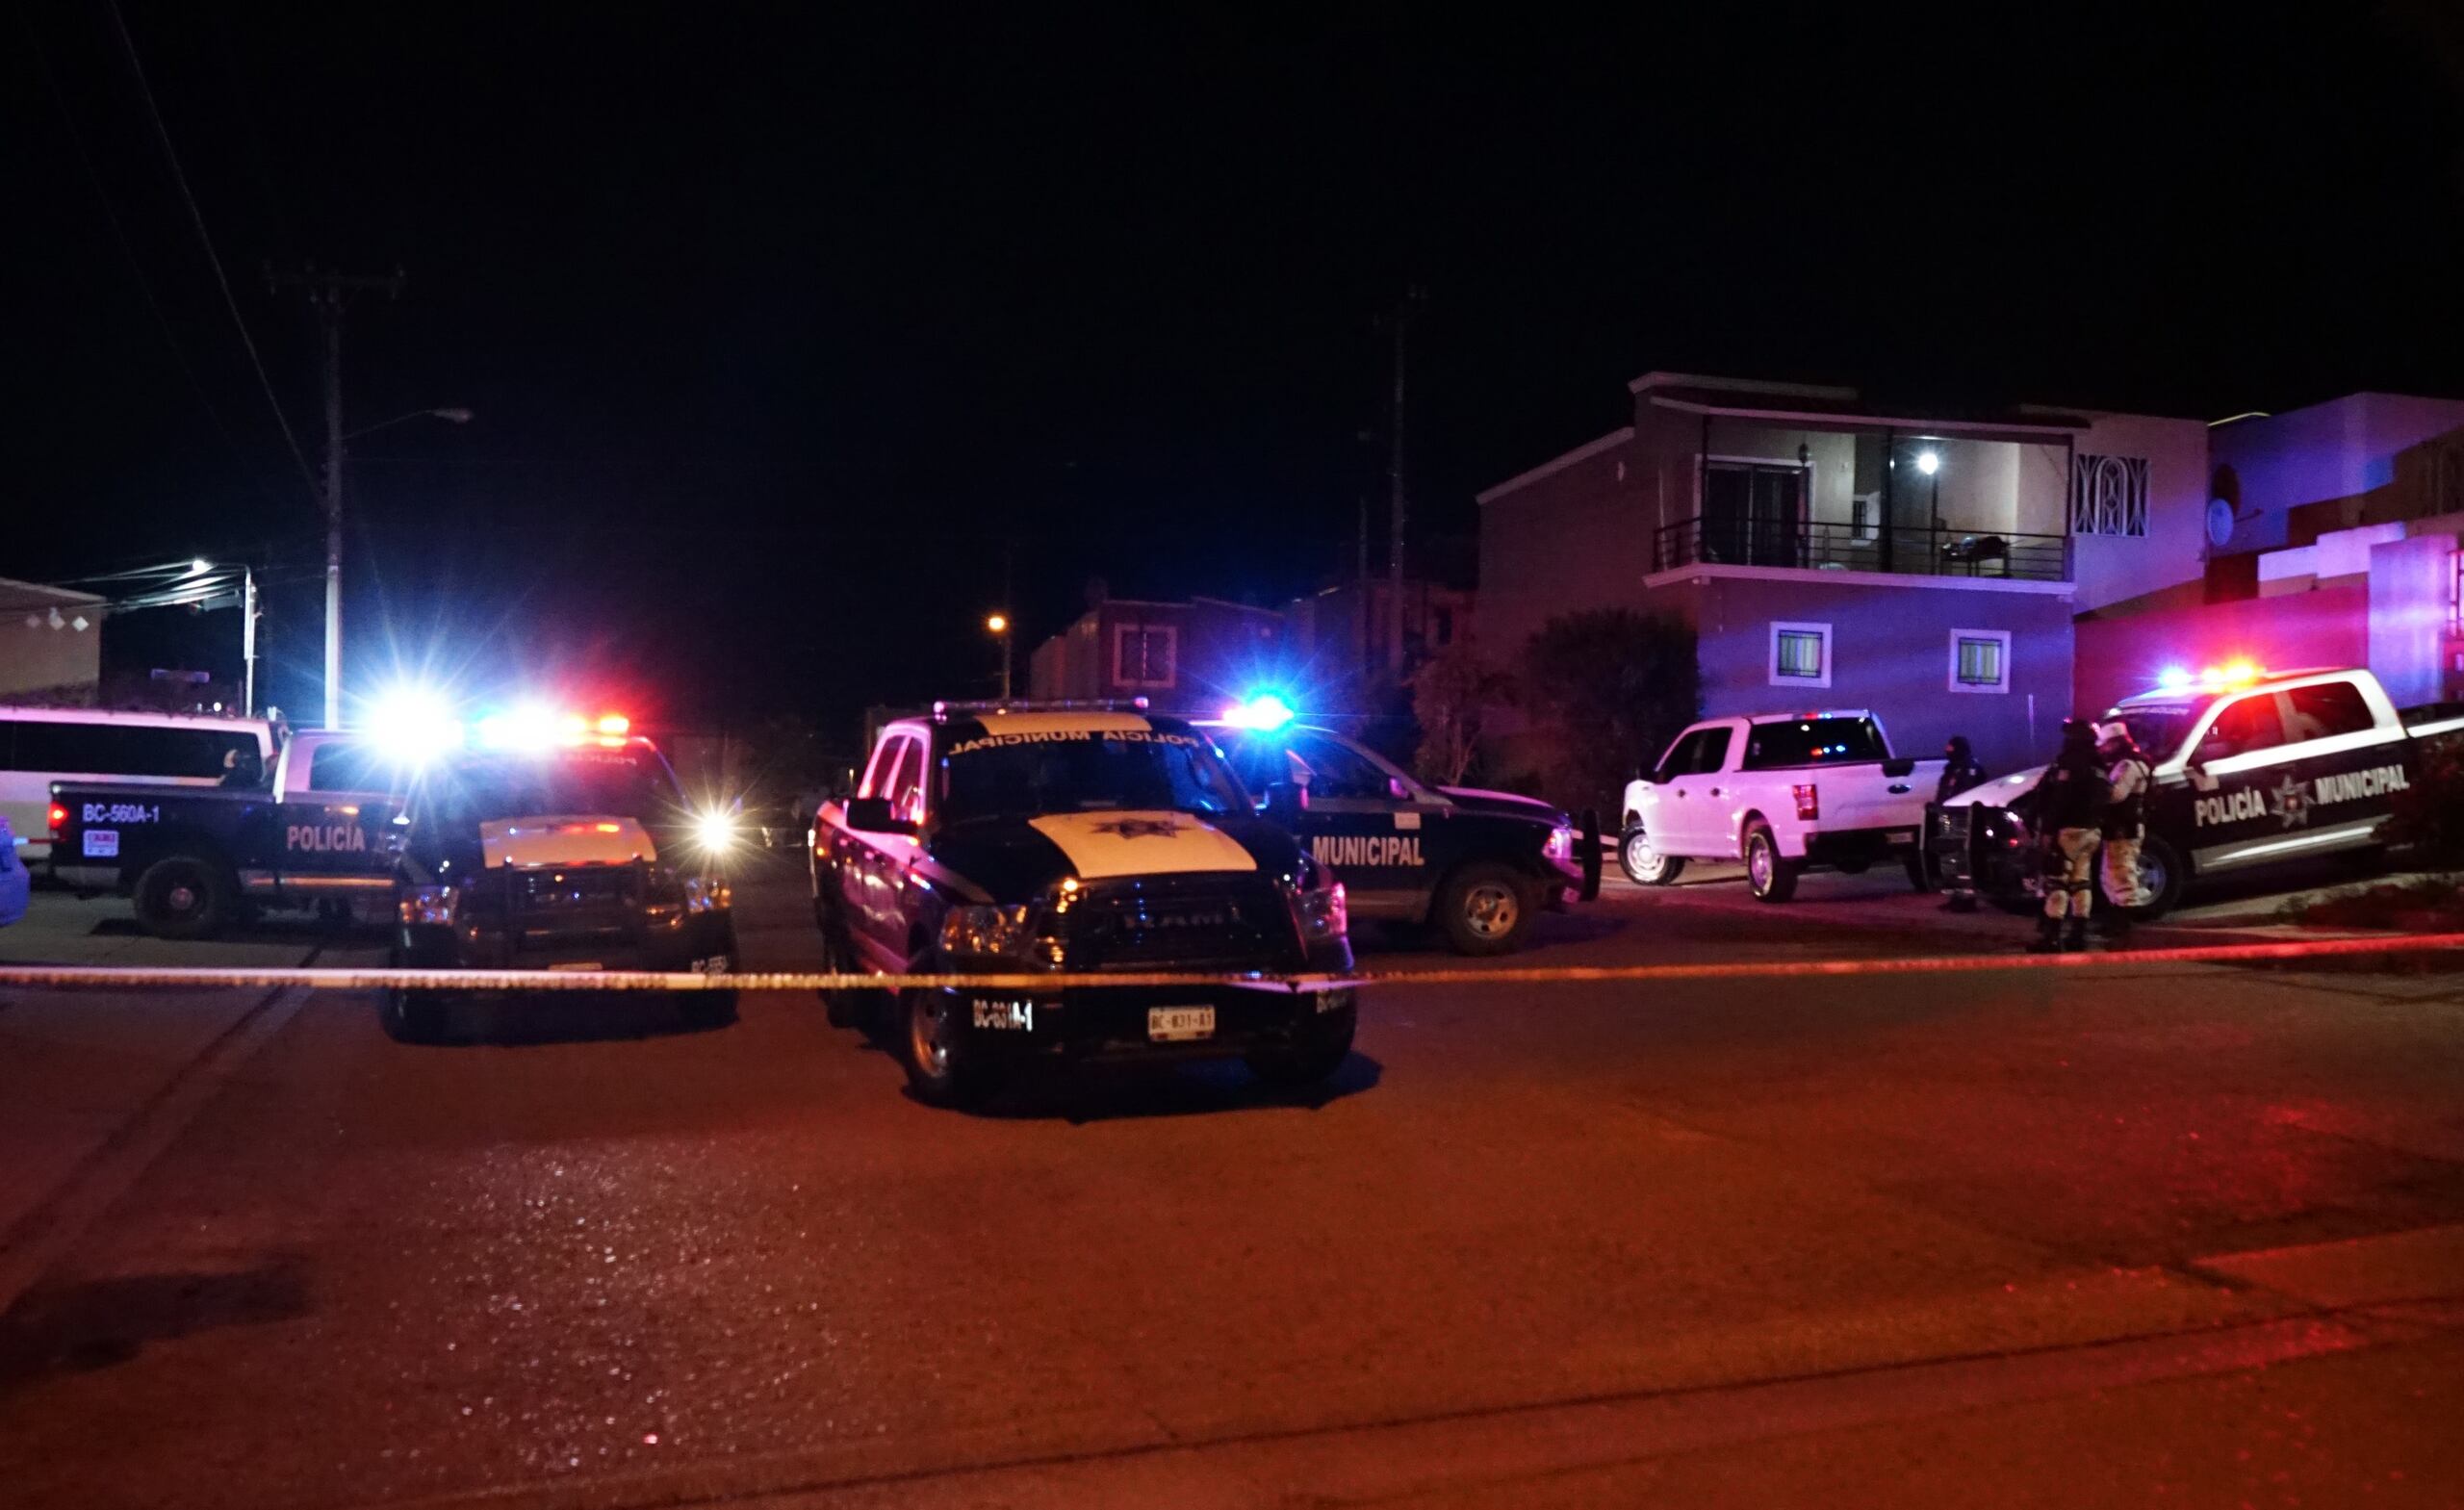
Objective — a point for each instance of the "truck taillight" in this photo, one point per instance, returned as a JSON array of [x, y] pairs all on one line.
[[1808, 801], [58, 817]]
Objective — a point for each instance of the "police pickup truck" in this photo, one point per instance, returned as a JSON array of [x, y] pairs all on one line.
[[2247, 770], [573, 854], [1784, 792], [1028, 839], [1477, 866], [319, 831]]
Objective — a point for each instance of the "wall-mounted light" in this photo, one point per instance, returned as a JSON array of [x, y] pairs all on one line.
[[1929, 462]]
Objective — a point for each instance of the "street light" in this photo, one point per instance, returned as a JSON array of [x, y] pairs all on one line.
[[334, 435], [998, 625]]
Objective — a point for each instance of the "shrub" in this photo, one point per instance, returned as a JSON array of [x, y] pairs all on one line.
[[1607, 689]]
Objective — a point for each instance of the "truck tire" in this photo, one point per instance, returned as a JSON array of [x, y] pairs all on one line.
[[411, 1017], [2163, 876], [855, 1007], [943, 1067], [186, 896], [1920, 874], [1771, 876], [1644, 865], [712, 1008], [1316, 1052], [1485, 909]]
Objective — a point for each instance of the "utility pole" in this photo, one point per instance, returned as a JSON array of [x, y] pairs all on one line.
[[329, 294], [1399, 510], [248, 642]]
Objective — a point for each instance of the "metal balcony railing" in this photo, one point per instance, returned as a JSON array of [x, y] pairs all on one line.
[[1907, 551]]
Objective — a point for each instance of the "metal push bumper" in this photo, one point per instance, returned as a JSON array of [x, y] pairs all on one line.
[[1978, 850], [685, 945], [1109, 1023]]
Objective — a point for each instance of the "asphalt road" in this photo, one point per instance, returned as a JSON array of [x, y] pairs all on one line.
[[2155, 1236]]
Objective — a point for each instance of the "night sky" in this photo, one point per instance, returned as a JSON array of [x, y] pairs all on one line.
[[790, 332]]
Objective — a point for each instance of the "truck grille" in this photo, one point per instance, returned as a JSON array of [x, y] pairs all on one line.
[[1230, 923], [581, 903]]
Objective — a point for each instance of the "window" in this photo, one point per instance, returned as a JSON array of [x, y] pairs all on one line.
[[1702, 752], [349, 768], [905, 787], [2109, 496], [1814, 741], [1143, 654], [1332, 769], [2327, 710], [1980, 660], [1863, 510], [1800, 654], [69, 748], [2249, 725]]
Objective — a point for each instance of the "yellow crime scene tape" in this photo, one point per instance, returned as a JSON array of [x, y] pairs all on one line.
[[124, 977]]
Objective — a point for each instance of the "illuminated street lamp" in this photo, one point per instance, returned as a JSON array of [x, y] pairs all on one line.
[[998, 625]]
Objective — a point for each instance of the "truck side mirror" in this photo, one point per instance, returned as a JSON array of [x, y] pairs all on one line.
[[872, 815]]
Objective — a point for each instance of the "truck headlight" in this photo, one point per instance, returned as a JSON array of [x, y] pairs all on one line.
[[1561, 843], [707, 894], [989, 929], [1320, 909], [429, 906]]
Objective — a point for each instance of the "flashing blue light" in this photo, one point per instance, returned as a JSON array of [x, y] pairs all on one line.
[[1264, 713], [2173, 679]]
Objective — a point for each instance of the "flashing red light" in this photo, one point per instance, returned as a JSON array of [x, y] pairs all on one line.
[[58, 817], [614, 724], [1808, 798]]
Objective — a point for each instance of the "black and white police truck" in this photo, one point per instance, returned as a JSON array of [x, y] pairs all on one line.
[[316, 830], [2248, 769], [1477, 866], [1026, 838]]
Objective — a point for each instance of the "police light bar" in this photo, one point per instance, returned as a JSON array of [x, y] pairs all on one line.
[[1263, 714], [537, 729], [412, 725]]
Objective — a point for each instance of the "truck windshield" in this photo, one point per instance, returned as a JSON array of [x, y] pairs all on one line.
[[1075, 771], [2159, 728], [621, 784], [1814, 741]]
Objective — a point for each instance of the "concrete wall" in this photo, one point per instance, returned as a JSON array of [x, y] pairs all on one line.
[[2117, 656], [1890, 646], [2411, 589], [1578, 537], [2112, 569], [55, 665], [2338, 449]]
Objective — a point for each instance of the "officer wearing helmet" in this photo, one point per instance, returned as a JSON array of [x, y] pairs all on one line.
[[2070, 801], [2125, 823]]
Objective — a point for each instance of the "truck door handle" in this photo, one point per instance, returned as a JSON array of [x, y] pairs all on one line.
[[1899, 788], [1715, 791]]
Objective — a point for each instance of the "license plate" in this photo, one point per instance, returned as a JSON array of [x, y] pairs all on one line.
[[1900, 836], [1180, 1024], [576, 965]]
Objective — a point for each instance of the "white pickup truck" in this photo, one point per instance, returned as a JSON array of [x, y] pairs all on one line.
[[1783, 792]]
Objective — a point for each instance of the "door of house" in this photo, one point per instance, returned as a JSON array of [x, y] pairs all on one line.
[[1750, 513]]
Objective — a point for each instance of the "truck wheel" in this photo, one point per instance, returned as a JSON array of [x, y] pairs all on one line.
[[1484, 908], [411, 1017], [1644, 865], [943, 1067], [1314, 1053], [185, 896], [1770, 875], [855, 1007], [2162, 878]]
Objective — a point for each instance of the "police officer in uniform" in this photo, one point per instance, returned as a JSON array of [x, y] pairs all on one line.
[[2070, 801], [2126, 779]]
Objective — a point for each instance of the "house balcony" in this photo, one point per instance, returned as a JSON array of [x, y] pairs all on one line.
[[1815, 546]]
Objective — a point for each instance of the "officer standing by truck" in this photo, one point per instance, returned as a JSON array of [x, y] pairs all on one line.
[[2126, 779], [2070, 800]]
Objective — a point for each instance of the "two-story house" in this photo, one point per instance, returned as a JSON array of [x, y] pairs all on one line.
[[1183, 657], [1829, 552]]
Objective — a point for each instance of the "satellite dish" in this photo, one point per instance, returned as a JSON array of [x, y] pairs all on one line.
[[2219, 523]]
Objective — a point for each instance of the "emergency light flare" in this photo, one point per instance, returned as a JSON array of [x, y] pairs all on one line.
[[1263, 714], [413, 724]]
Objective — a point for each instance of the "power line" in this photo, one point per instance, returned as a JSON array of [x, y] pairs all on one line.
[[128, 251], [196, 217]]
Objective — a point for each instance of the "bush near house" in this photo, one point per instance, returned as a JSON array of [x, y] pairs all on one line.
[[1452, 699], [1607, 689]]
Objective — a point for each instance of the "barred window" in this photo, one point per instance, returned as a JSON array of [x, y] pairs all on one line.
[[2109, 496]]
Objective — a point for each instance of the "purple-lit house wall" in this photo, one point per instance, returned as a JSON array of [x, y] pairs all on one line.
[[1833, 553]]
